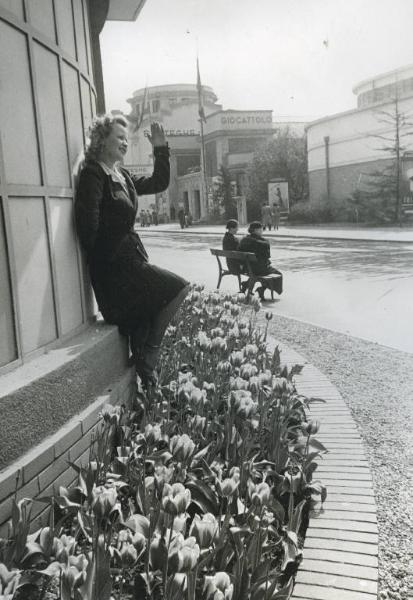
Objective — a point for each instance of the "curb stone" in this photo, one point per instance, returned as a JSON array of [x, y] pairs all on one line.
[[341, 548]]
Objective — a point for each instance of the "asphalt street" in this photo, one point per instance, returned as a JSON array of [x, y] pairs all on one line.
[[361, 288]]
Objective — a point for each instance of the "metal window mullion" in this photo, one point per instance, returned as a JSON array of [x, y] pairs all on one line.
[[11, 259], [53, 266]]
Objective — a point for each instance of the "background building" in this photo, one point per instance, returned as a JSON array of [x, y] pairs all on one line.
[[344, 148], [230, 139]]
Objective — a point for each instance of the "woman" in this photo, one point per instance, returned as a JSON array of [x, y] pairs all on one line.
[[256, 243], [138, 297]]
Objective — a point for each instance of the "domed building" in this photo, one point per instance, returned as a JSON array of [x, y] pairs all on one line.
[[344, 148]]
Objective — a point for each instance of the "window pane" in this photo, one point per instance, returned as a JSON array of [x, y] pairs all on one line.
[[65, 28], [87, 111], [17, 118], [64, 246], [8, 351], [14, 6], [80, 34], [34, 282], [40, 14], [51, 116]]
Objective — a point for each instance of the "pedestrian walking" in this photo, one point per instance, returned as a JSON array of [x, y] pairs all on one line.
[[154, 217], [256, 243], [266, 216], [148, 218], [181, 216], [138, 297], [275, 213], [142, 218]]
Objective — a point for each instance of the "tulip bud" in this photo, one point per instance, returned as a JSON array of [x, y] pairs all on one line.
[[205, 530], [228, 487], [268, 315], [312, 427], [104, 499]]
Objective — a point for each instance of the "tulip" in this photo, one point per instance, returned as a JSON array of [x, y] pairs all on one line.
[[228, 487], [268, 315], [236, 358], [181, 447], [256, 304], [251, 350], [217, 332], [128, 555], [218, 587], [241, 298], [218, 344], [177, 500], [233, 333], [203, 341], [205, 530], [235, 310], [104, 500], [262, 494], [237, 383], [248, 370], [198, 396], [183, 553], [177, 585], [312, 427], [265, 378], [209, 387], [254, 384], [198, 423], [152, 434], [224, 366]]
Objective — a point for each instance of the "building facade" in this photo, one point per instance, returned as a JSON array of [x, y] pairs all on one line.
[[55, 359], [230, 140], [344, 148]]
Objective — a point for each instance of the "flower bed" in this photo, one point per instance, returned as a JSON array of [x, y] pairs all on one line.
[[199, 491]]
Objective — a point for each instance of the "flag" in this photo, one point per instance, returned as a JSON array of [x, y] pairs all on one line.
[[201, 111]]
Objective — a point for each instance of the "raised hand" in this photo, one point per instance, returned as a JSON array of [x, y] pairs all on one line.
[[157, 135]]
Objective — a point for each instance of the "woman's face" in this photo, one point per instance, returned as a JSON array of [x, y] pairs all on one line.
[[258, 231], [116, 144]]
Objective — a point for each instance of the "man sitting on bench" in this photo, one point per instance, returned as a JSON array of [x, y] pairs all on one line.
[[230, 242], [256, 243]]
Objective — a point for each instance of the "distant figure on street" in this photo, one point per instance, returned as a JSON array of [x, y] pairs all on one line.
[[230, 242], [275, 212], [148, 218], [181, 217], [189, 219], [256, 243], [142, 218], [266, 216], [154, 217]]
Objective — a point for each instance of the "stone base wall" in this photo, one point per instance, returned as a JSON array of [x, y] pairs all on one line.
[[99, 374], [343, 179]]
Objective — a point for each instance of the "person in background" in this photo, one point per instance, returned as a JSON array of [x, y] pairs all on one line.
[[137, 296], [181, 216], [266, 216], [256, 243], [275, 211], [148, 218], [142, 218], [230, 242], [189, 219], [154, 217]]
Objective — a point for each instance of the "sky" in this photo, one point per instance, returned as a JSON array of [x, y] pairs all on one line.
[[299, 58]]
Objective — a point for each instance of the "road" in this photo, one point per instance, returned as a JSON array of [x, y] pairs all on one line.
[[360, 288]]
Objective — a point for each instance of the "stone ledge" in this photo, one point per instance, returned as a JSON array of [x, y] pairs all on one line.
[[39, 397]]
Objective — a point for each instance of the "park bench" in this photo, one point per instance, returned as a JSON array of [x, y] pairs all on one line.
[[246, 260]]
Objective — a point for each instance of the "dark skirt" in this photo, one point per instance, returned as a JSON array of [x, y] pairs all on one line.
[[130, 291]]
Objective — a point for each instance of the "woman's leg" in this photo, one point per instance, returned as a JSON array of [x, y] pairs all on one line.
[[158, 325]]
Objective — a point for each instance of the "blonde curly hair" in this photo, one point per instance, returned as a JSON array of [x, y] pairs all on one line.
[[98, 132]]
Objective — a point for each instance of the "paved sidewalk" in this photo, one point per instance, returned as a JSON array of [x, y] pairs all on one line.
[[341, 547], [374, 234]]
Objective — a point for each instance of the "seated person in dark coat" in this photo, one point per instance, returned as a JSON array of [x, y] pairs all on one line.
[[132, 293], [256, 243], [230, 242]]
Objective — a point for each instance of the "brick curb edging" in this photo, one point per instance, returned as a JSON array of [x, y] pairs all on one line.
[[341, 547]]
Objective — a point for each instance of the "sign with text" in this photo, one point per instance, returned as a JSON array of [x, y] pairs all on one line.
[[239, 120]]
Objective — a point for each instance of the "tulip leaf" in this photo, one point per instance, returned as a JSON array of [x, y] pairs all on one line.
[[203, 496], [317, 445]]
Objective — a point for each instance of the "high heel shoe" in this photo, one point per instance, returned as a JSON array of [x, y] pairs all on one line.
[[260, 292]]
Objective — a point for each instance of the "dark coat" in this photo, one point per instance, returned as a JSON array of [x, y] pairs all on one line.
[[230, 242], [261, 248], [128, 289]]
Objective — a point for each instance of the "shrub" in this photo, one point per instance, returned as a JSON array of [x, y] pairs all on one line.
[[311, 212]]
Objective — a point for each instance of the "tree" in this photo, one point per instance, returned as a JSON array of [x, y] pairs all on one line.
[[223, 194], [380, 192], [285, 156]]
